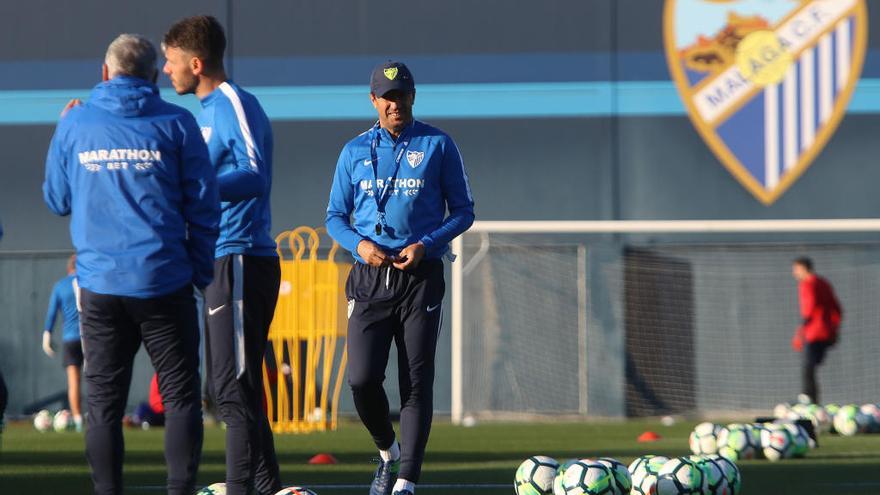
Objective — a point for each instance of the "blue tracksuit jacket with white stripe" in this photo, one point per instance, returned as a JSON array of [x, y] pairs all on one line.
[[239, 138], [430, 180], [133, 173]]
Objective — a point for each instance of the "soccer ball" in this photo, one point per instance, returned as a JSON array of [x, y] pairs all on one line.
[[558, 488], [872, 414], [295, 490], [644, 471], [781, 411], [737, 442], [731, 473], [681, 476], [215, 489], [832, 409], [800, 439], [849, 420], [535, 476], [822, 420], [716, 482], [62, 421], [588, 477], [620, 473], [757, 430], [704, 438], [776, 442], [43, 421], [800, 411]]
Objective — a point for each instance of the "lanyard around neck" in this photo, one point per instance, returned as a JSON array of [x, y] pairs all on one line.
[[381, 195]]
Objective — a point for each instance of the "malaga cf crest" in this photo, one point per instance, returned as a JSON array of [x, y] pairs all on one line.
[[766, 82], [414, 158]]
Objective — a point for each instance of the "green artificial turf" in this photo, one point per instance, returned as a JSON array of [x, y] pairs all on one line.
[[34, 463]]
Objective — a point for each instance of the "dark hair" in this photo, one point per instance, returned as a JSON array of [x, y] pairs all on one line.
[[804, 262], [201, 35]]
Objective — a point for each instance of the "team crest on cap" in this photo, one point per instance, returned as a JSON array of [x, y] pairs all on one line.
[[390, 73], [414, 158], [766, 83]]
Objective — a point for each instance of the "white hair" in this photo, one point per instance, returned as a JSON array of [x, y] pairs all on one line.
[[131, 55]]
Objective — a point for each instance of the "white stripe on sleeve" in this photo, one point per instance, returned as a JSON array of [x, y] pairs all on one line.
[[242, 122]]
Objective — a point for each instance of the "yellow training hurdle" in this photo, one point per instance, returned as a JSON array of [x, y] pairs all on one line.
[[307, 338]]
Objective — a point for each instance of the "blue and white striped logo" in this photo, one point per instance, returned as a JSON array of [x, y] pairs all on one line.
[[766, 83]]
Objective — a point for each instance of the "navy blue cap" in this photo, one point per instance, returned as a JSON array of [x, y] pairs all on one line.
[[389, 76]]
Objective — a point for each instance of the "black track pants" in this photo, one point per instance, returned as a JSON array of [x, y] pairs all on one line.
[[387, 304], [239, 306], [814, 354], [113, 328]]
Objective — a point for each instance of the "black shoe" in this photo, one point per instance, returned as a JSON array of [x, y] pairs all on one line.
[[385, 477]]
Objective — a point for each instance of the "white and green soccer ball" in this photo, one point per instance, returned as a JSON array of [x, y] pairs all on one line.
[[758, 430], [814, 413], [822, 421], [776, 442], [781, 411], [63, 421], [620, 474], [681, 476], [214, 489], [716, 482], [704, 439], [872, 416], [535, 476], [831, 409], [800, 439], [731, 473], [295, 490], [43, 421], [738, 441], [588, 477], [558, 488], [849, 420], [644, 471]]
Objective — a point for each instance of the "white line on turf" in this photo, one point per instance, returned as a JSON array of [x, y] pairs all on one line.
[[843, 484], [425, 486]]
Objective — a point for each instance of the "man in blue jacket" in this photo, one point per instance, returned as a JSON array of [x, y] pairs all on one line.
[[393, 186], [240, 303], [133, 172], [65, 300]]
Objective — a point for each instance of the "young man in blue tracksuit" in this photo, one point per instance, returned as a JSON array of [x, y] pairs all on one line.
[[65, 301], [240, 303], [133, 173], [393, 186]]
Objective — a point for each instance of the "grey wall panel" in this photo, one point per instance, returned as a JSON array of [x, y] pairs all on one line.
[[53, 30], [315, 28], [27, 222]]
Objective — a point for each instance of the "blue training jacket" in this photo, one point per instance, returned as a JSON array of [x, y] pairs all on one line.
[[239, 138], [133, 172], [64, 300], [430, 180]]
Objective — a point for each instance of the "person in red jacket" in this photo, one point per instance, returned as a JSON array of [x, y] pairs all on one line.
[[822, 314], [150, 413]]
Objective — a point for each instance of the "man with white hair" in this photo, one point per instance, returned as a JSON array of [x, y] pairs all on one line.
[[133, 172]]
